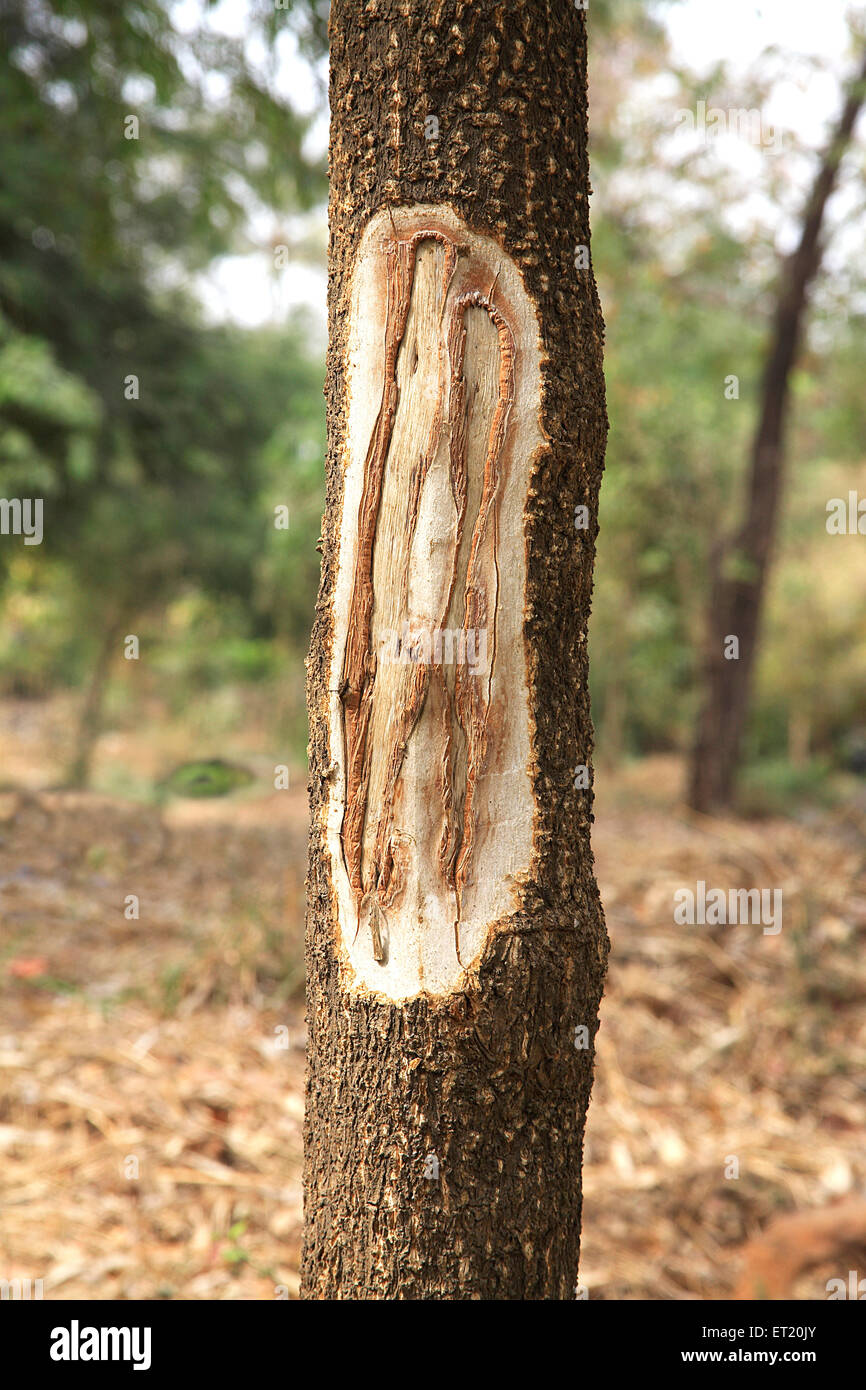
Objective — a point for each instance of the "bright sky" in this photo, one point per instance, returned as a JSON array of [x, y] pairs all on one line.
[[247, 290], [738, 31]]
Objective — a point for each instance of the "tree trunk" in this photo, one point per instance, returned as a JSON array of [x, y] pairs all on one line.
[[90, 719], [456, 945], [739, 576]]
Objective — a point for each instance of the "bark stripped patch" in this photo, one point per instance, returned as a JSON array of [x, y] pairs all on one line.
[[431, 812]]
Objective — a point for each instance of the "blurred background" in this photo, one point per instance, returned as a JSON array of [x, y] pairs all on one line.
[[162, 333]]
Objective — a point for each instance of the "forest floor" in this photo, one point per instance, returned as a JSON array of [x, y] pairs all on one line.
[[151, 1067]]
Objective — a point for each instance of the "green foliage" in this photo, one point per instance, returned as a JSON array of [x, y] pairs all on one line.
[[213, 777], [189, 516], [162, 490], [777, 787], [675, 450], [687, 303]]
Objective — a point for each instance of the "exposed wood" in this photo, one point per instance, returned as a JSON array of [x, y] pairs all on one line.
[[431, 809]]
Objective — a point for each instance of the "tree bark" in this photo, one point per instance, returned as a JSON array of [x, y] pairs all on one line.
[[455, 940], [739, 573]]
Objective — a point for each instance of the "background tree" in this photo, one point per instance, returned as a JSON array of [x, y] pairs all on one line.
[[740, 570], [143, 428], [688, 240]]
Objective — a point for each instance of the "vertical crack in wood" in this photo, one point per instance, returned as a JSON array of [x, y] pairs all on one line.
[[359, 674], [472, 692]]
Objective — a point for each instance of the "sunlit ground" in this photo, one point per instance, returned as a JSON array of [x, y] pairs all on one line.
[[150, 1129]]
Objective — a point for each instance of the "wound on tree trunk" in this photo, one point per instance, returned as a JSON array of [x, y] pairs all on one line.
[[431, 805]]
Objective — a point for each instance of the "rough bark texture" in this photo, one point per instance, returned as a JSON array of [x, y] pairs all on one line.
[[444, 1134], [739, 576]]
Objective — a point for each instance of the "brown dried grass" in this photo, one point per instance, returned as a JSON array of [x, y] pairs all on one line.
[[155, 1040]]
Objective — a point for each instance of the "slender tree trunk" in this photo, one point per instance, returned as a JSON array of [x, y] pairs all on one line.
[[456, 945], [740, 575], [90, 719]]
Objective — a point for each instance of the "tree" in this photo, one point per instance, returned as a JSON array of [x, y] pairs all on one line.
[[165, 175], [740, 569], [456, 944], [143, 429]]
